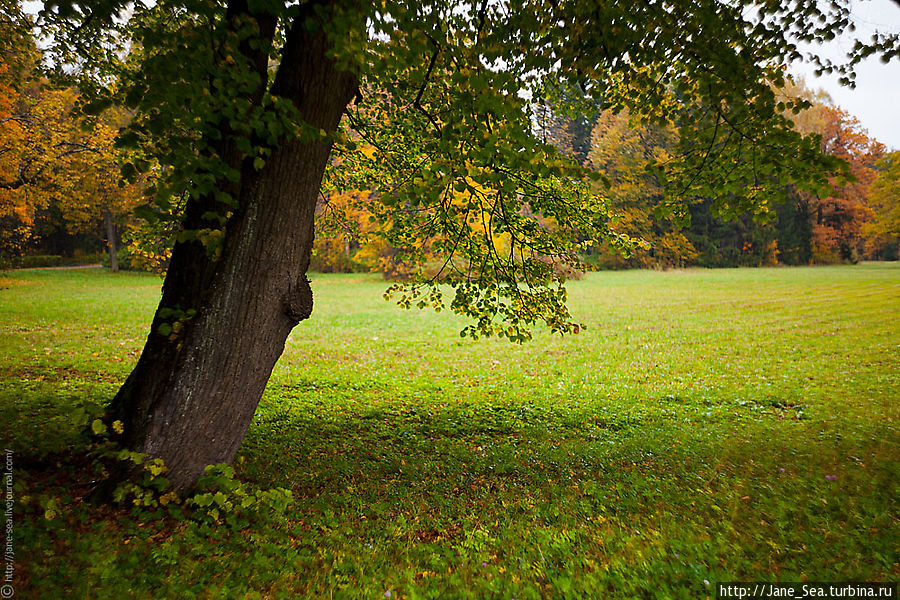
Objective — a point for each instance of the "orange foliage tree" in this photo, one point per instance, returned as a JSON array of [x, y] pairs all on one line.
[[837, 219], [17, 55]]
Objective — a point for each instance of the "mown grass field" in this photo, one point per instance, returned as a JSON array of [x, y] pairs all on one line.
[[708, 426]]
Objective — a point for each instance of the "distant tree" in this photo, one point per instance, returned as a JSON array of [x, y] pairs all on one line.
[[745, 240], [840, 216], [794, 229], [54, 173], [38, 141], [629, 155], [18, 54], [570, 134], [883, 230], [837, 217], [90, 191], [57, 175], [342, 226]]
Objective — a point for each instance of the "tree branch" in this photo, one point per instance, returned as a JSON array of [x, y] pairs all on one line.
[[416, 104]]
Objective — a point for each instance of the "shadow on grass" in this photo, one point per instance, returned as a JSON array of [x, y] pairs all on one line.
[[765, 488], [430, 496]]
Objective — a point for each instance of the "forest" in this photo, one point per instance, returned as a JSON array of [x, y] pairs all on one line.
[[63, 199]]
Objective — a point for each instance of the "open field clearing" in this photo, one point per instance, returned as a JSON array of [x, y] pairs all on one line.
[[707, 426]]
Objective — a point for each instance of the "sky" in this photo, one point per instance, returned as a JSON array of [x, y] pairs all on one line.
[[876, 99]]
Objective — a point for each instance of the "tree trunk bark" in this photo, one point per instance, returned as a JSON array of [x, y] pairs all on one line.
[[111, 242], [195, 389]]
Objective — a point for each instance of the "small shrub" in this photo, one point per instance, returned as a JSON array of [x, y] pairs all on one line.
[[222, 498]]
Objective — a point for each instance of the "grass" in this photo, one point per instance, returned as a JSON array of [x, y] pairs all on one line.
[[709, 426]]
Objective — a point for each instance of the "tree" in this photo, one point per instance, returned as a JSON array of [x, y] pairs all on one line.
[[626, 155], [51, 165], [38, 142], [17, 52], [93, 191], [570, 134], [48, 161], [252, 107], [884, 200], [794, 230], [15, 214], [837, 217]]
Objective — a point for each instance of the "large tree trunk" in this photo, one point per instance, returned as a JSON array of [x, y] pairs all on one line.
[[195, 389]]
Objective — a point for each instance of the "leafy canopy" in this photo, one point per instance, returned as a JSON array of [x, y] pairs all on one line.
[[443, 129]]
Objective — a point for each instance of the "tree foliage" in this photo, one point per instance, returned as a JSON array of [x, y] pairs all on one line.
[[884, 201], [630, 157], [837, 216], [798, 227]]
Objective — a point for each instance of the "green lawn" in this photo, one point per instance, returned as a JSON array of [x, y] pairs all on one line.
[[708, 426]]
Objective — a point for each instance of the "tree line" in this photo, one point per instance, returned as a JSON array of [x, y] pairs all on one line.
[[856, 220], [61, 191]]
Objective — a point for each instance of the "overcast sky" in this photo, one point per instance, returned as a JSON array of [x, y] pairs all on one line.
[[876, 99]]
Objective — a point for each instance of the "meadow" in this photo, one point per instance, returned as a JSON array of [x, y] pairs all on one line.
[[707, 426]]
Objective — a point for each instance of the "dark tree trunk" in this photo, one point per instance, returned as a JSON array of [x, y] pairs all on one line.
[[111, 242], [195, 389]]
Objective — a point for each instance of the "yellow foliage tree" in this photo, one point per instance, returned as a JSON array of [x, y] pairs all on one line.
[[883, 231], [624, 153], [48, 158]]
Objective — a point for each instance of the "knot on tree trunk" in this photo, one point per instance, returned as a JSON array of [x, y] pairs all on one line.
[[298, 302]]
